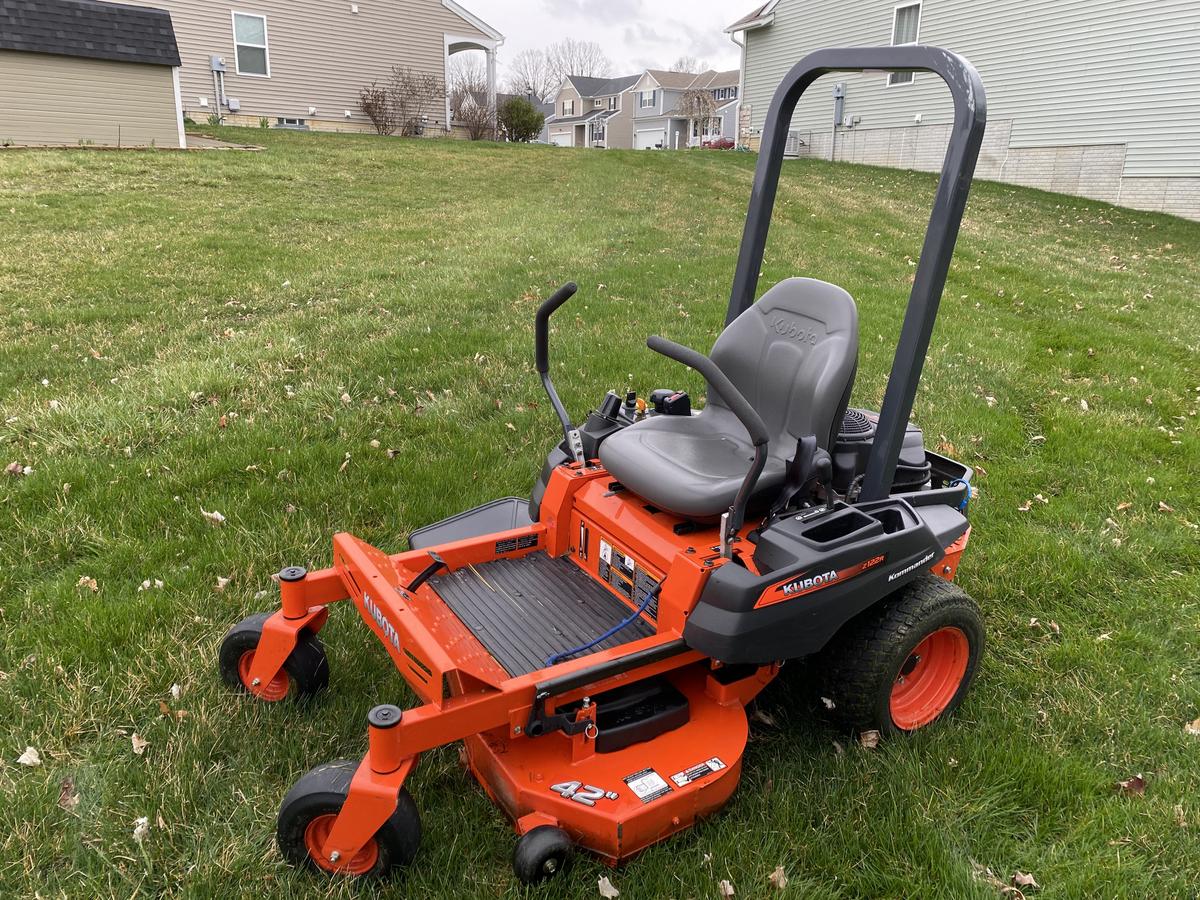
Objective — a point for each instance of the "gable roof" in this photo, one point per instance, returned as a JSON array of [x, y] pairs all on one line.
[[759, 17], [89, 29], [601, 87], [686, 81]]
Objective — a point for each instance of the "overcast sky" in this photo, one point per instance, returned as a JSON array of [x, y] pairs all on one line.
[[635, 34]]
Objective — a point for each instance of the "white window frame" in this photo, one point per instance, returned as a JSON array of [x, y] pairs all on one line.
[[265, 46], [912, 76], [568, 108], [598, 103], [642, 104]]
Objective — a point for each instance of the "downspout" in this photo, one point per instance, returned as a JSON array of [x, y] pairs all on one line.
[[741, 97]]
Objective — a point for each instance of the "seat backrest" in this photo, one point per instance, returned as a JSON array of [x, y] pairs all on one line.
[[793, 355]]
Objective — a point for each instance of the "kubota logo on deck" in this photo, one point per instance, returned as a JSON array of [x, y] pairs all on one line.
[[384, 625], [799, 585]]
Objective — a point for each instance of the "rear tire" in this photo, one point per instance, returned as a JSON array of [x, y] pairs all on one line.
[[305, 672], [309, 810], [906, 663]]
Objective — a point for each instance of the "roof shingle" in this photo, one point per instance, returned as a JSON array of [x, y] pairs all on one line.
[[90, 29]]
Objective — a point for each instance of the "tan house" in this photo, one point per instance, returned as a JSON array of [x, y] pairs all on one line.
[[302, 63], [592, 112], [80, 72]]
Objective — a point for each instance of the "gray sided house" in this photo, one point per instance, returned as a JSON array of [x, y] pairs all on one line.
[[657, 121], [78, 72], [1098, 98], [302, 63], [592, 112]]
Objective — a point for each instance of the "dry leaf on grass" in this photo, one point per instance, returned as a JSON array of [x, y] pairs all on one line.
[[141, 827], [139, 743], [17, 470], [827, 703], [30, 757], [214, 518], [606, 888], [869, 739], [1192, 727], [1163, 507], [1024, 880], [778, 878], [68, 797], [176, 692], [725, 888], [1132, 787], [87, 581], [221, 584], [762, 718]]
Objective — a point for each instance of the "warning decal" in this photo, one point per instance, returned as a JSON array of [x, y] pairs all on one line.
[[647, 785], [698, 771]]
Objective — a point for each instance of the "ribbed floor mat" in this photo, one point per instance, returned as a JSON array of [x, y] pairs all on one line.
[[525, 610]]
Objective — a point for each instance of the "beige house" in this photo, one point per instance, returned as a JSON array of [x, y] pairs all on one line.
[[80, 72], [302, 63], [592, 112]]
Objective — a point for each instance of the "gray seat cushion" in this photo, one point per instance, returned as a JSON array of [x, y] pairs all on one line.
[[793, 356]]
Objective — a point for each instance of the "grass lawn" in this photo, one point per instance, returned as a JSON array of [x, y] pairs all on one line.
[[233, 331]]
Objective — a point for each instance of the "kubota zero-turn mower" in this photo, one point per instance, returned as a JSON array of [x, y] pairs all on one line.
[[595, 646]]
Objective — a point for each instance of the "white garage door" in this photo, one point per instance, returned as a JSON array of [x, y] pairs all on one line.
[[562, 140], [649, 138]]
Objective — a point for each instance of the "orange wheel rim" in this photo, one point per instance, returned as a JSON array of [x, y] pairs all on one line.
[[929, 678], [273, 690], [315, 836]]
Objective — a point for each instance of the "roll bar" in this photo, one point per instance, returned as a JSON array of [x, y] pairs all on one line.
[[970, 116]]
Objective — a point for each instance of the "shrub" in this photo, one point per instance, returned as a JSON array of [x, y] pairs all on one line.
[[520, 120], [377, 106], [264, 122]]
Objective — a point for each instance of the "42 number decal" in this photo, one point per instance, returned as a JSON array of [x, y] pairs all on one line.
[[587, 794]]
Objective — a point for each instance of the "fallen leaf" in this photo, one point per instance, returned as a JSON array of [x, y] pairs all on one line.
[[221, 584], [164, 709], [829, 704], [606, 888], [869, 739], [176, 692], [762, 718], [778, 878], [1163, 507], [345, 398], [214, 518], [1180, 819], [87, 581], [1132, 787], [68, 797], [222, 422], [1192, 727], [30, 757], [838, 749], [17, 470], [1024, 879], [725, 888], [1083, 405], [1026, 506], [375, 445], [345, 462], [139, 743], [141, 827]]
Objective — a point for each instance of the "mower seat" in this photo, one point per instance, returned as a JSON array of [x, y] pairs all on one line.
[[793, 356]]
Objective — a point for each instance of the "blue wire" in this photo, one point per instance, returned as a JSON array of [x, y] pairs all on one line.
[[962, 507], [650, 595]]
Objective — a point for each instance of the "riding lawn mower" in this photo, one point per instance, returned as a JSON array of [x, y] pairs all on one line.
[[595, 646]]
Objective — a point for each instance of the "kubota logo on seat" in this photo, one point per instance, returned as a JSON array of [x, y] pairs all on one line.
[[384, 625], [807, 582], [790, 328]]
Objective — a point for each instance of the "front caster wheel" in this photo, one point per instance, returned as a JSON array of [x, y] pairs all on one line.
[[312, 805], [541, 853], [906, 663], [304, 673]]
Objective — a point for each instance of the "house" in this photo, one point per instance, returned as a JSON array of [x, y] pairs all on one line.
[[1086, 98], [658, 122], [82, 72], [302, 63], [592, 112], [641, 111]]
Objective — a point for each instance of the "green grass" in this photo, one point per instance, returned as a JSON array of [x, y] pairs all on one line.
[[151, 298]]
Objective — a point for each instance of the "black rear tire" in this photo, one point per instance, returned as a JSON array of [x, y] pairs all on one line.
[[863, 668], [541, 854], [317, 797], [306, 668]]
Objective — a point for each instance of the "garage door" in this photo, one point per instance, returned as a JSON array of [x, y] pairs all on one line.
[[649, 138], [562, 140]]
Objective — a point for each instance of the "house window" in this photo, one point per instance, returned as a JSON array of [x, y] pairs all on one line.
[[612, 102], [250, 44], [906, 24], [568, 107], [648, 98], [598, 103], [287, 122], [597, 132]]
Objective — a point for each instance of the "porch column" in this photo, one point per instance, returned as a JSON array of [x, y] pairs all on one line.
[[491, 77]]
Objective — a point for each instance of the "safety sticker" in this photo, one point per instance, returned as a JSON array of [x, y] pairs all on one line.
[[606, 551], [698, 771], [647, 785], [508, 545]]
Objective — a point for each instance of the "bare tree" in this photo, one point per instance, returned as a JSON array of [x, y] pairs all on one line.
[[697, 106], [376, 103], [468, 78], [415, 95], [688, 64], [479, 119], [572, 57], [529, 74]]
